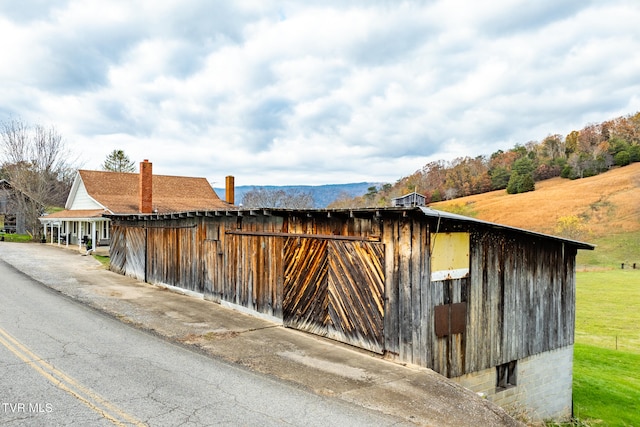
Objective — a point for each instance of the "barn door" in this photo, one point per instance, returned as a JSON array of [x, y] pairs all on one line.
[[136, 253], [304, 302], [128, 251], [356, 293], [335, 288]]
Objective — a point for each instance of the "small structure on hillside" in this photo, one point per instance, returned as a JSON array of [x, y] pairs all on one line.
[[489, 305], [409, 200]]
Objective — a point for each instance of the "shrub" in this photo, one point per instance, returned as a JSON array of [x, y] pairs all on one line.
[[570, 227], [623, 158], [521, 183]]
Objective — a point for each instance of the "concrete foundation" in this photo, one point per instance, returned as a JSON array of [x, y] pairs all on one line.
[[543, 389]]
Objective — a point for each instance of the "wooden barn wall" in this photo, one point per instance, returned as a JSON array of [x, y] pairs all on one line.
[[252, 264], [521, 299], [519, 295], [253, 277], [174, 253], [408, 329]]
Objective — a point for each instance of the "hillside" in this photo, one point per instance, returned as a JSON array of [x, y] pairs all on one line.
[[605, 203]]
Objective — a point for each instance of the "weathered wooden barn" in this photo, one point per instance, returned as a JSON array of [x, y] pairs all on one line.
[[489, 305]]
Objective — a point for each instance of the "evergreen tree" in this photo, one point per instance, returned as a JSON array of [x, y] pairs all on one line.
[[526, 183], [118, 161]]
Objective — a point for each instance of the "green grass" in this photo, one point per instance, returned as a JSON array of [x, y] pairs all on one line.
[[104, 260], [607, 309], [611, 251], [606, 387], [606, 376], [10, 237]]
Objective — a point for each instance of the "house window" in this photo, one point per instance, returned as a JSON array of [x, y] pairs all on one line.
[[105, 230], [506, 375]]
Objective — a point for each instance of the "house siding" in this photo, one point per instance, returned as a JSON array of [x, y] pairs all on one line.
[[82, 200]]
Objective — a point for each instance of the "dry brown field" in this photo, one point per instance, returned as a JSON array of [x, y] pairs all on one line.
[[606, 203]]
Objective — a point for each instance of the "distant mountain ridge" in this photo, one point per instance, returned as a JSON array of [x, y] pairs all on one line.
[[323, 195]]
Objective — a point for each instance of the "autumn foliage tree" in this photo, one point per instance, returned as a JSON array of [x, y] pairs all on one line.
[[581, 153]]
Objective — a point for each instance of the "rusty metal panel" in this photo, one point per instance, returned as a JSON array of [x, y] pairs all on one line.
[[458, 319], [450, 319], [441, 320], [356, 294]]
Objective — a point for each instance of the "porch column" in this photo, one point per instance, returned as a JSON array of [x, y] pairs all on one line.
[[94, 243], [80, 234]]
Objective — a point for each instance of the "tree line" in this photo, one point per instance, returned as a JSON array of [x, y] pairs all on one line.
[[35, 161], [592, 150]]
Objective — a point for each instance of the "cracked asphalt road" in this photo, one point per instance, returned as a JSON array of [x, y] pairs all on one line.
[[62, 363]]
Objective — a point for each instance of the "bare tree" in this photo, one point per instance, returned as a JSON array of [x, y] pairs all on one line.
[[36, 164], [260, 197]]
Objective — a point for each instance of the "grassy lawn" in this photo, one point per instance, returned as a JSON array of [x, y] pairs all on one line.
[[104, 260], [612, 250], [606, 388], [10, 237], [607, 309]]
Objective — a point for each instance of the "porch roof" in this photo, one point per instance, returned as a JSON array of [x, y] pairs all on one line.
[[73, 215]]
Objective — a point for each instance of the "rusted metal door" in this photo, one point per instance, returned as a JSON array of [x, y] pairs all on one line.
[[335, 288]]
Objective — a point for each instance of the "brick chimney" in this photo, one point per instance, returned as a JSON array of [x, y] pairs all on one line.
[[145, 188], [230, 189]]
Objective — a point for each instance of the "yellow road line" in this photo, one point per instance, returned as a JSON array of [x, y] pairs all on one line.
[[61, 380]]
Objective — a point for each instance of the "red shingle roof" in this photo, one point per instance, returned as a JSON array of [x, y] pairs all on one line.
[[118, 192]]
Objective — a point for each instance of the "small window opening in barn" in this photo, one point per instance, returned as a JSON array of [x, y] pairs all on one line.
[[506, 375]]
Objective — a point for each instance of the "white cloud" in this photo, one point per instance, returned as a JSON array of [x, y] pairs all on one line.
[[315, 92]]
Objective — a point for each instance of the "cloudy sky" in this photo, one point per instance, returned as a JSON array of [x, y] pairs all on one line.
[[314, 92]]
